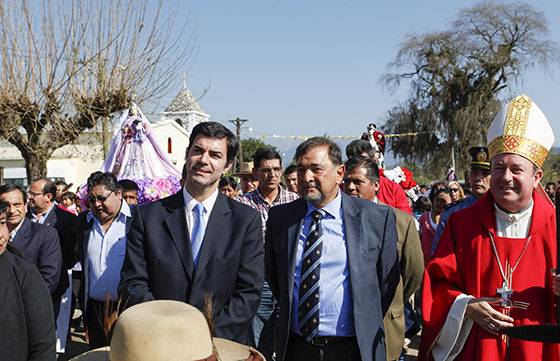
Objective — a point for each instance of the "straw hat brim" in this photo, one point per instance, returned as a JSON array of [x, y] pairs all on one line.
[[99, 354], [226, 349]]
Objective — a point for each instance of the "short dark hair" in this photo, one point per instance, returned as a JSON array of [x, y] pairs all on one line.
[[6, 188], [227, 181], [184, 171], [290, 169], [372, 170], [550, 184], [422, 204], [49, 187], [68, 195], [60, 183], [106, 179], [335, 155], [216, 130], [358, 147], [128, 185], [267, 153]]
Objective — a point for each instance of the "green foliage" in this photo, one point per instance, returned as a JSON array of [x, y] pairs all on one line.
[[250, 146], [456, 78], [551, 168]]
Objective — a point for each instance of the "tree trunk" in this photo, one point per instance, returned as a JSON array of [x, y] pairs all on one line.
[[35, 167]]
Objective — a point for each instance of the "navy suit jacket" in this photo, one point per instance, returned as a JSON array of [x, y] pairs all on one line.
[[39, 245], [371, 242], [158, 262], [26, 315], [65, 224]]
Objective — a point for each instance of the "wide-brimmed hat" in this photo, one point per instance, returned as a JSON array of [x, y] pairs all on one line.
[[165, 330], [246, 168]]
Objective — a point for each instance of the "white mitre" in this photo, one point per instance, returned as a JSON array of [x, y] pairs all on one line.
[[521, 128]]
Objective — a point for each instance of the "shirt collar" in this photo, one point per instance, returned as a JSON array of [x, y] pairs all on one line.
[[208, 203], [125, 211], [332, 208], [513, 217], [261, 197], [15, 230], [46, 214]]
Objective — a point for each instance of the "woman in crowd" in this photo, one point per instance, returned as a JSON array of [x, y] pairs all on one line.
[[429, 221], [455, 191]]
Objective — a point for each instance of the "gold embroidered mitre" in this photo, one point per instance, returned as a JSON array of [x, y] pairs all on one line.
[[521, 128]]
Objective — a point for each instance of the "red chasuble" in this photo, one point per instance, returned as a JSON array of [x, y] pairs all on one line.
[[465, 263]]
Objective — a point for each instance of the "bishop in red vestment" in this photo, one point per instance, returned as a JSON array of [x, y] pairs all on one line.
[[492, 267], [465, 264]]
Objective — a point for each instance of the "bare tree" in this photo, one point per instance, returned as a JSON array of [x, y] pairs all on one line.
[[457, 76], [67, 64]]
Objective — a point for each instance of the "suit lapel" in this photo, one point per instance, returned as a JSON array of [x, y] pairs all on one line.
[[294, 230], [52, 217], [351, 214], [177, 229], [219, 223], [22, 235]]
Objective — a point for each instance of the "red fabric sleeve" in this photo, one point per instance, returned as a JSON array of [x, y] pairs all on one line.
[[392, 194]]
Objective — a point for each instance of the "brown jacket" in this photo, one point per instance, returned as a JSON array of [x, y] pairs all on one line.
[[412, 268]]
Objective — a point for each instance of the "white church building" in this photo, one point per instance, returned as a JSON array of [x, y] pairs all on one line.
[[73, 163]]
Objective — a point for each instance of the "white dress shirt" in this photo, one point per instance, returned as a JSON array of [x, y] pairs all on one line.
[[190, 202]]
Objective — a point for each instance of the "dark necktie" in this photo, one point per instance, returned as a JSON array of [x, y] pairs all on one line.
[[308, 305]]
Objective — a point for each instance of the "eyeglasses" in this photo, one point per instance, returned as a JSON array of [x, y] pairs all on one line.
[[35, 194], [454, 190], [92, 198]]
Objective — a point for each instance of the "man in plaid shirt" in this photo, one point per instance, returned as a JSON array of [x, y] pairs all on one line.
[[268, 170]]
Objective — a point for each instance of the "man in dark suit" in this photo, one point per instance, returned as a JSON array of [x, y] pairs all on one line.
[[43, 209], [331, 261], [26, 316], [199, 246], [38, 244]]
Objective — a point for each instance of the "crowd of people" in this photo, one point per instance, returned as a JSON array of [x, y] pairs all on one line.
[[323, 259]]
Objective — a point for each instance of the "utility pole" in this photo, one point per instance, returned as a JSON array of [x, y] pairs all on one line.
[[239, 158]]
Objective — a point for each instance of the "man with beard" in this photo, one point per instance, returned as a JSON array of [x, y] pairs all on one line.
[[268, 171], [479, 181], [492, 267], [199, 246], [331, 262]]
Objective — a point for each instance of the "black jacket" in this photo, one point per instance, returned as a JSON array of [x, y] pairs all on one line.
[[26, 315]]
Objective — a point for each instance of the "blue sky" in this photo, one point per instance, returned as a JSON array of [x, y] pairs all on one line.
[[312, 67]]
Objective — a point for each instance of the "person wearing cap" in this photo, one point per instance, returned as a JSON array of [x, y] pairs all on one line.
[[167, 330], [479, 181], [27, 329], [248, 181], [492, 268]]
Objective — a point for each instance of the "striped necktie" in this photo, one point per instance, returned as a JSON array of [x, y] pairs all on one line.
[[308, 304], [199, 228]]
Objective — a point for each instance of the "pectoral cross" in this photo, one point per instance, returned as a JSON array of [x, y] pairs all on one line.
[[505, 292]]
